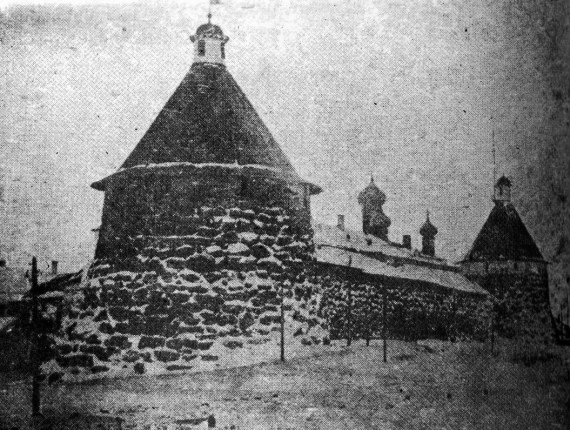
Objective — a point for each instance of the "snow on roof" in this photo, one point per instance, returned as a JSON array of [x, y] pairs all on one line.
[[445, 278], [360, 242], [201, 165]]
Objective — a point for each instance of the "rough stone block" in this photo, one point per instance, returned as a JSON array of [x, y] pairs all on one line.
[[118, 341], [151, 342], [119, 313], [131, 356], [213, 303], [172, 367], [139, 368], [166, 355], [208, 357], [189, 357], [204, 345], [64, 349], [99, 369], [269, 319], [106, 328], [98, 351], [233, 344]]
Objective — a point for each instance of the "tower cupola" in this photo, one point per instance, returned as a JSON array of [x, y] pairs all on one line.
[[374, 220], [502, 190], [428, 232], [209, 43]]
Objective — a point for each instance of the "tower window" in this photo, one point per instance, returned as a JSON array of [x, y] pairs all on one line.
[[201, 48]]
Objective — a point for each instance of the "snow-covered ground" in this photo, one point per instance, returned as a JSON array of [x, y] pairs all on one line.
[[427, 385]]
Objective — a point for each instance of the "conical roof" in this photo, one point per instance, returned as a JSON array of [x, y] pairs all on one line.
[[209, 120], [504, 237]]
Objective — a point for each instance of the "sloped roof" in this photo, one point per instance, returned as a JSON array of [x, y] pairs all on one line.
[[366, 243], [208, 119], [379, 257], [504, 237], [444, 278]]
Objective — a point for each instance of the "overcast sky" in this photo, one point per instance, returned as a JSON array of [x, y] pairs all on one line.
[[411, 91]]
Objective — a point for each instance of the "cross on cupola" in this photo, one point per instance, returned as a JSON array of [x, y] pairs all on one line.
[[209, 43]]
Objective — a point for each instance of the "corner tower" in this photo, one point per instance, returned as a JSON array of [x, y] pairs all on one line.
[[201, 225], [505, 260]]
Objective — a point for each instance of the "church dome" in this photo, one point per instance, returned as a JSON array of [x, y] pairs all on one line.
[[428, 229], [372, 194], [210, 30]]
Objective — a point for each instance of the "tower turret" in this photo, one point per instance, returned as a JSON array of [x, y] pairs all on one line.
[[374, 220], [428, 232], [209, 43]]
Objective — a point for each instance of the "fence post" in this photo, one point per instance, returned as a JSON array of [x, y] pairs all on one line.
[[349, 316], [384, 320], [35, 359], [349, 306], [282, 323]]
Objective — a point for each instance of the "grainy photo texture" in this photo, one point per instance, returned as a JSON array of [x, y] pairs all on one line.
[[284, 214]]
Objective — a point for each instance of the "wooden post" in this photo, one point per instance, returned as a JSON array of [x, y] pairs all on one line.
[[384, 321], [349, 306], [35, 359], [349, 317], [282, 323]]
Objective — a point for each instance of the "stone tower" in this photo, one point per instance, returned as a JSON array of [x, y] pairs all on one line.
[[428, 232], [374, 221], [202, 223], [504, 258]]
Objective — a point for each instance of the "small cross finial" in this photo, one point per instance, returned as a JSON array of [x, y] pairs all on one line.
[[427, 214], [371, 177], [209, 17]]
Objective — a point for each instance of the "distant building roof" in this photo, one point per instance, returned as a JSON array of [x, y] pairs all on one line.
[[13, 284], [379, 257], [504, 237]]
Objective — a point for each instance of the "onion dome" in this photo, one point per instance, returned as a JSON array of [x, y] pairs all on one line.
[[210, 30], [504, 182], [371, 195], [428, 229]]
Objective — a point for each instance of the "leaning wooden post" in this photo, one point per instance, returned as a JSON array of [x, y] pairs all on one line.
[[349, 308], [282, 323], [35, 359], [384, 319]]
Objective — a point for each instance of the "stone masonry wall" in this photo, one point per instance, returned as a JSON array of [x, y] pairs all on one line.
[[175, 303]]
